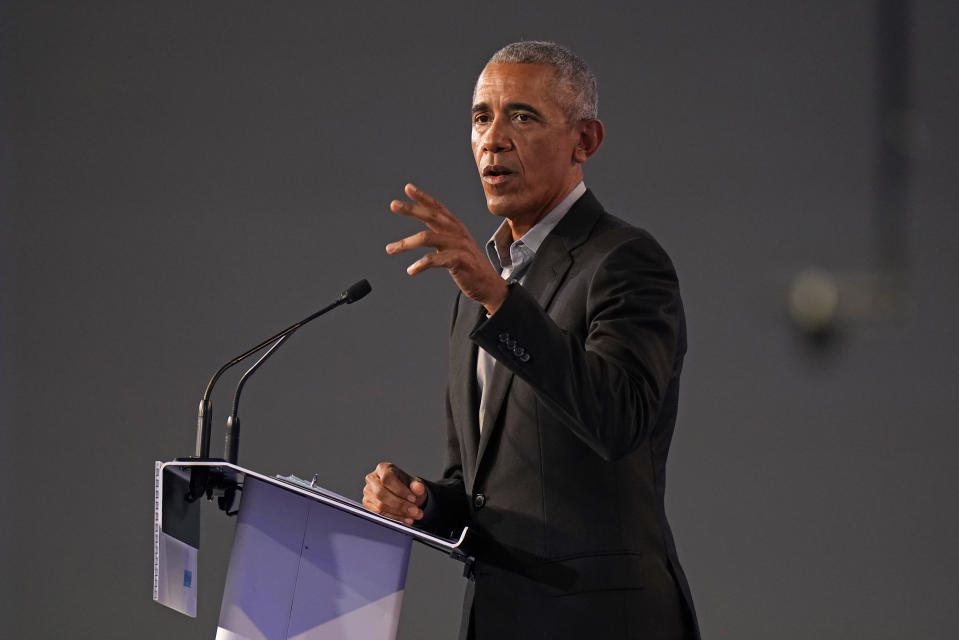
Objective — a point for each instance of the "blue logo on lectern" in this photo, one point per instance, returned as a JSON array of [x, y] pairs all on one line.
[[187, 578]]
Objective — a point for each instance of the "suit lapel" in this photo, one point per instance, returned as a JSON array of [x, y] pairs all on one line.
[[549, 269], [463, 392]]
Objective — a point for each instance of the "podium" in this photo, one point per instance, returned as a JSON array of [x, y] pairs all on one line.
[[306, 564]]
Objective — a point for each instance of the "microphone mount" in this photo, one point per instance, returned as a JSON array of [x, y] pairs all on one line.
[[201, 485]]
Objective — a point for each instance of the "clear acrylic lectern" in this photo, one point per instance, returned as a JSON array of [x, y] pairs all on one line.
[[306, 564]]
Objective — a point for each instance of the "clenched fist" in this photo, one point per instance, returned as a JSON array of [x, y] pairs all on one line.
[[392, 492]]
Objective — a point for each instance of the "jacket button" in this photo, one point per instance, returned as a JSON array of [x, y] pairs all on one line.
[[479, 500], [503, 337], [524, 357]]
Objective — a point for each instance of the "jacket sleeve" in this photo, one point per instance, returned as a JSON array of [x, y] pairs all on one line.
[[608, 386]]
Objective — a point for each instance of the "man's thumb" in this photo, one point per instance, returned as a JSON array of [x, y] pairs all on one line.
[[417, 487]]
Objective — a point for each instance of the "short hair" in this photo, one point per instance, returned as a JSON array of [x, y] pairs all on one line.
[[581, 98]]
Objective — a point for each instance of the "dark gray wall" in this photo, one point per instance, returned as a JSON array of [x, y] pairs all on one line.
[[179, 180]]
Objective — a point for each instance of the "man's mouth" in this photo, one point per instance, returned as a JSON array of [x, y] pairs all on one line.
[[496, 174]]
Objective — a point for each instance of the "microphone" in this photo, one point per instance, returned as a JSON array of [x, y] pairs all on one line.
[[357, 291], [232, 442], [205, 413]]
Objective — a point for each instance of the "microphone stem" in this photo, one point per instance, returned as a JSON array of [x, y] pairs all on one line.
[[231, 445], [205, 418], [251, 370], [284, 333]]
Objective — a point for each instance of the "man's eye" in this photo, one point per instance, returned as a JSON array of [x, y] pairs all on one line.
[[523, 117], [480, 118]]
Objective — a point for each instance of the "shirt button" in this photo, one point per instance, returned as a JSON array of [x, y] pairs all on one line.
[[479, 501]]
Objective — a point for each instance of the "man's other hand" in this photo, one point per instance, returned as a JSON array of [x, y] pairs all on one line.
[[392, 492], [455, 249]]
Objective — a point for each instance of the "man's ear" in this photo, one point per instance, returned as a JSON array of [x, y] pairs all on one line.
[[591, 133]]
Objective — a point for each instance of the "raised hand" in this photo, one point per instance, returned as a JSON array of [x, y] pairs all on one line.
[[455, 249]]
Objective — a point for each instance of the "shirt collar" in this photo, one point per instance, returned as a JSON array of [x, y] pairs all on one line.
[[500, 248]]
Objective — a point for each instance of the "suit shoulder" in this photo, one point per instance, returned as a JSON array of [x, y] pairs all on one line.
[[612, 234]]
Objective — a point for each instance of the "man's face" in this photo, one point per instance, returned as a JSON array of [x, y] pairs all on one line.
[[522, 142]]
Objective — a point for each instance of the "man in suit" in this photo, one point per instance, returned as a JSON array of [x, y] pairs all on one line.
[[566, 347]]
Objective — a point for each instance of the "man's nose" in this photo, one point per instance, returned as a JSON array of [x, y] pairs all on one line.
[[496, 138]]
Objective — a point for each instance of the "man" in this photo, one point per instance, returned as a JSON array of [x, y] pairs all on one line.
[[566, 347]]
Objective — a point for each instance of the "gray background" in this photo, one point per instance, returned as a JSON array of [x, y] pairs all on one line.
[[181, 180]]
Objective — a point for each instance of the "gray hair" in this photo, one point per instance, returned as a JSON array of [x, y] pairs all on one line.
[[581, 99]]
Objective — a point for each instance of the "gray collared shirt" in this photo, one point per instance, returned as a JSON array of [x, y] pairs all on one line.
[[512, 260]]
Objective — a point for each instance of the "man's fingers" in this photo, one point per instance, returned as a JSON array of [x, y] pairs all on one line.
[[426, 209], [384, 496], [416, 194], [418, 487], [419, 266], [455, 249], [430, 216], [437, 241], [395, 480], [445, 259], [378, 497], [408, 514]]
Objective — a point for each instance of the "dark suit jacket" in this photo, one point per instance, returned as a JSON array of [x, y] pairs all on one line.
[[563, 493]]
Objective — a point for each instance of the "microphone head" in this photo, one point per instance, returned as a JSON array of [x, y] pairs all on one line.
[[356, 291]]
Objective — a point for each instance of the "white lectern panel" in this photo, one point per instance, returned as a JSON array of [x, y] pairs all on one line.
[[301, 569]]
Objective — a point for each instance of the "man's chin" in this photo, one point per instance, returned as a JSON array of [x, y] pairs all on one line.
[[500, 206]]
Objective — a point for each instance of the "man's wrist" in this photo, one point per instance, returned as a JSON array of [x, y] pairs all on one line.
[[498, 298]]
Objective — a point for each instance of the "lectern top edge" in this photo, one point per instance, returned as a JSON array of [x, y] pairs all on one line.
[[451, 546], [176, 525]]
